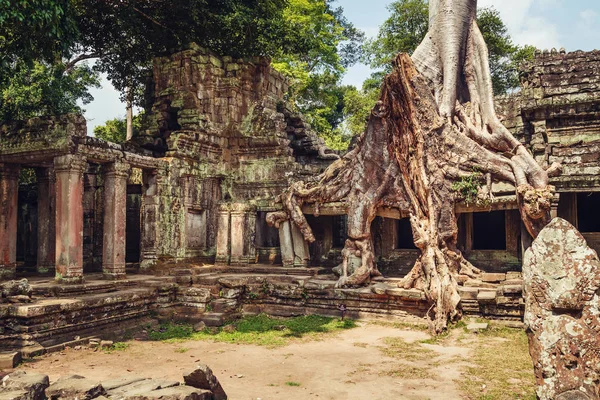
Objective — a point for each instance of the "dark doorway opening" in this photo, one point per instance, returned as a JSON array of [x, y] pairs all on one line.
[[404, 236], [340, 230], [588, 212], [27, 221], [133, 224], [266, 236], [489, 230]]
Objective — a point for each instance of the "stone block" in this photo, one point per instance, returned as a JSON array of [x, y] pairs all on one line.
[[140, 387], [409, 294], [213, 318], [469, 293], [233, 282], [203, 378], [231, 293], [75, 387], [492, 277], [30, 386], [512, 289], [174, 393], [486, 296], [477, 327], [9, 360]]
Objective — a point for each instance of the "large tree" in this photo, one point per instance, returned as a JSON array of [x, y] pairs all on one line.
[[433, 125], [405, 29]]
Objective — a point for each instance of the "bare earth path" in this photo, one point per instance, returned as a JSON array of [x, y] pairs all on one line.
[[350, 365]]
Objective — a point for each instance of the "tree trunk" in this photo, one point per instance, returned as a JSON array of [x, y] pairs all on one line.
[[434, 124], [129, 115]]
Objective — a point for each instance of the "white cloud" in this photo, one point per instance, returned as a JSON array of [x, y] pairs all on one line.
[[589, 18], [524, 26], [538, 32]]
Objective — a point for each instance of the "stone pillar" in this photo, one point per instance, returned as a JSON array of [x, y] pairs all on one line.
[[9, 196], [238, 236], [286, 244], [301, 254], [223, 234], [251, 237], [150, 203], [115, 217], [46, 233], [69, 217]]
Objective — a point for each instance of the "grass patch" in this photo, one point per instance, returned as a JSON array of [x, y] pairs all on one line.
[[181, 350], [118, 346], [404, 371], [293, 383], [398, 348], [261, 330], [502, 364], [401, 325]]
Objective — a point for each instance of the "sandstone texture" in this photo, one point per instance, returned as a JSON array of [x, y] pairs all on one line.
[[562, 313]]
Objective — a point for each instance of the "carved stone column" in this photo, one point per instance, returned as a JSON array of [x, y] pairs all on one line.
[[301, 254], [223, 229], [286, 244], [69, 217], [238, 236], [115, 216], [9, 195], [150, 203], [46, 251]]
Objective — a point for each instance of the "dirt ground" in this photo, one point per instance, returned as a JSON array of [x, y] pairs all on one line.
[[368, 362]]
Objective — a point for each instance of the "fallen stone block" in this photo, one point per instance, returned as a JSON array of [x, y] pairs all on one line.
[[477, 327], [140, 387], [31, 386], [9, 360], [14, 395], [75, 387], [174, 393], [203, 378], [119, 382]]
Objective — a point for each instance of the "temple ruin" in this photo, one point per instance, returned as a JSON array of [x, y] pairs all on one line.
[[173, 223]]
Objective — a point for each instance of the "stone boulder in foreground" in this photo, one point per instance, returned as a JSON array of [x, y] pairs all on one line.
[[562, 313]]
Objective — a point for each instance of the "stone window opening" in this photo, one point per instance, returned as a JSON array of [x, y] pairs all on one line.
[[489, 230]]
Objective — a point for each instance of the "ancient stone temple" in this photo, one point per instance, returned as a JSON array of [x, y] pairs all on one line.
[[156, 224]]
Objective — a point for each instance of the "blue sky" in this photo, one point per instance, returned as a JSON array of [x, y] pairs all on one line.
[[572, 24]]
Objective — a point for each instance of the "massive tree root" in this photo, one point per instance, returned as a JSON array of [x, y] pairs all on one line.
[[435, 123]]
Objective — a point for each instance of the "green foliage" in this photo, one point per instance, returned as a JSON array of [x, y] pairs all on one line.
[[44, 89], [322, 44], [292, 383], [468, 187], [35, 30], [261, 330], [118, 346], [357, 108], [115, 130], [403, 31]]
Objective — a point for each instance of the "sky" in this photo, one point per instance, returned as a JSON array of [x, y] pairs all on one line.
[[546, 24]]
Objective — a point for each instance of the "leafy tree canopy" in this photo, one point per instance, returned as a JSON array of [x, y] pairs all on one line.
[[321, 44], [115, 130]]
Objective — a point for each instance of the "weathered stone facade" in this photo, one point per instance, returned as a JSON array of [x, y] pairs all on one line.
[[218, 144]]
